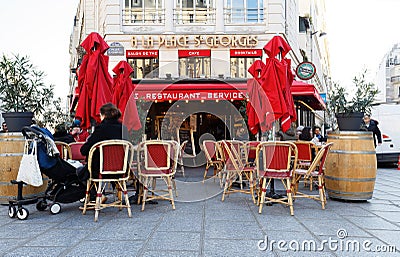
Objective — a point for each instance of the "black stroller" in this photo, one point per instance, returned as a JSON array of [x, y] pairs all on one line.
[[64, 185]]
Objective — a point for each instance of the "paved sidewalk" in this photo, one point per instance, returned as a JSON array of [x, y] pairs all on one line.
[[213, 228]]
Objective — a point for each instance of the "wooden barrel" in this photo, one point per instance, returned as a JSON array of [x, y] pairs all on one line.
[[350, 169], [11, 151]]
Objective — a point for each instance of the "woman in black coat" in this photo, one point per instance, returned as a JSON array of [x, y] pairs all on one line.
[[109, 128]]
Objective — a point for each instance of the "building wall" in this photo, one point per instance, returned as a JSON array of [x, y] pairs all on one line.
[[280, 17], [388, 76]]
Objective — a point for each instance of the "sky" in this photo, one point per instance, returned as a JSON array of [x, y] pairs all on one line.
[[41, 30], [359, 33]]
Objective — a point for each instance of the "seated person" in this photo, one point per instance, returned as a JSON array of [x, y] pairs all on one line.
[[109, 128], [61, 134], [78, 133], [318, 135], [306, 134]]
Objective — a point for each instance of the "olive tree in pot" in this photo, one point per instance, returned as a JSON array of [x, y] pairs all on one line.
[[22, 92], [349, 113]]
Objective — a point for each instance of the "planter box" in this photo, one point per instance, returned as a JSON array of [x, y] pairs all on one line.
[[349, 121], [17, 120]]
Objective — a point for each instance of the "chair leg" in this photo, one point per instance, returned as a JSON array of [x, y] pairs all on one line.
[[321, 190], [226, 186], [251, 184], [206, 171], [174, 184], [98, 202], [289, 195], [145, 189], [87, 198], [263, 192], [171, 195], [127, 203]]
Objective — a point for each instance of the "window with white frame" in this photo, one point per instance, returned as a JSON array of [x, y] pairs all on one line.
[[143, 11], [244, 11], [194, 11], [240, 65], [195, 67]]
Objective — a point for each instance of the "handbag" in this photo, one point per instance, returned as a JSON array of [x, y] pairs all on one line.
[[29, 170]]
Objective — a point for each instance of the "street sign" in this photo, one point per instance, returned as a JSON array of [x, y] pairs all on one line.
[[323, 96], [116, 49], [305, 70]]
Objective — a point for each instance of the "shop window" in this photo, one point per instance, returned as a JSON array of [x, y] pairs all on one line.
[[195, 67], [240, 65], [194, 11], [143, 11], [304, 24], [244, 11], [144, 68]]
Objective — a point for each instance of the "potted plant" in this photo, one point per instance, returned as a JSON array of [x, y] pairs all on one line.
[[22, 92], [349, 113]]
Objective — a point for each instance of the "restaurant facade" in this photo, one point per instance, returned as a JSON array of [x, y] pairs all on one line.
[[190, 58]]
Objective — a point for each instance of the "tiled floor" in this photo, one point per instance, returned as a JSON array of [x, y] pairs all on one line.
[[202, 225]]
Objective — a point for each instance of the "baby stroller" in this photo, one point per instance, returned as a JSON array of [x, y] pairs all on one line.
[[64, 185]]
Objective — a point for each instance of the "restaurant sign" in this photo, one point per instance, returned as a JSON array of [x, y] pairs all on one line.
[[175, 96], [116, 49], [212, 41], [305, 70]]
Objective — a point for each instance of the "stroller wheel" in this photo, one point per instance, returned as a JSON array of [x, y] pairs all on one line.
[[12, 212], [41, 205], [22, 213], [55, 208]]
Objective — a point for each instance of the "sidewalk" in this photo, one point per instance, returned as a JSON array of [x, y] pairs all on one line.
[[211, 227]]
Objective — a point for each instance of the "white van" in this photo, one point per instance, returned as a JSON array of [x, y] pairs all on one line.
[[387, 152]]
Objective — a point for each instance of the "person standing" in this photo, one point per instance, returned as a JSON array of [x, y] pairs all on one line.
[[4, 128], [369, 124]]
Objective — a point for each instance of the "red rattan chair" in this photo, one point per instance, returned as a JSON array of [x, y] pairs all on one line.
[[213, 158], [116, 157], [304, 159], [158, 160], [64, 149], [276, 160], [250, 149], [235, 167], [76, 152], [316, 170]]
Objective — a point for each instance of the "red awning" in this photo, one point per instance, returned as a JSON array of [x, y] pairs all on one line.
[[308, 94], [202, 90]]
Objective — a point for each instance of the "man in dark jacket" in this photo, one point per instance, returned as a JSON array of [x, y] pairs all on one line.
[[369, 124]]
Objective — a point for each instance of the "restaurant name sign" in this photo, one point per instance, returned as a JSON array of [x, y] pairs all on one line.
[[212, 41]]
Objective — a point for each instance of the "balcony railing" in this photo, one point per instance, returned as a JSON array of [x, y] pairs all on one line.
[[140, 15], [249, 15], [198, 15]]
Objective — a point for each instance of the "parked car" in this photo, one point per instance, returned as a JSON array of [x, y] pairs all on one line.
[[387, 152]]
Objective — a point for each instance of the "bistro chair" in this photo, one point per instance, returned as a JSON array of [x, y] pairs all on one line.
[[213, 158], [304, 158], [276, 160], [116, 158], [64, 149], [250, 149], [157, 160], [76, 152], [316, 170], [235, 168]]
